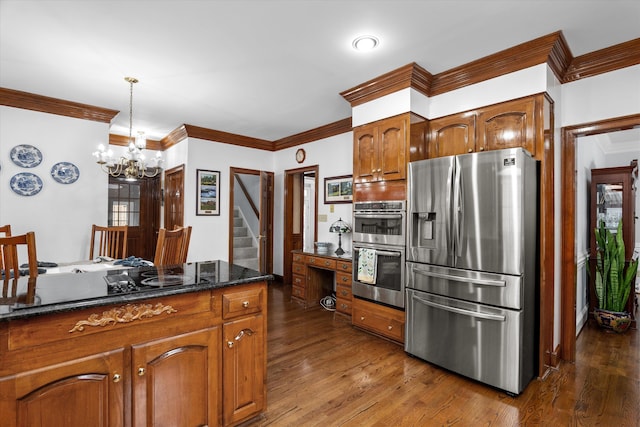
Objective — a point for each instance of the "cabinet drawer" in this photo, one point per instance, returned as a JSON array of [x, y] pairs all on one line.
[[344, 307], [379, 319], [343, 292], [298, 268], [298, 258], [343, 279], [343, 266], [322, 262], [297, 292], [299, 281], [241, 303]]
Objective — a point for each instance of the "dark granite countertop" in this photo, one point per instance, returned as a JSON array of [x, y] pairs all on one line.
[[56, 293], [331, 254]]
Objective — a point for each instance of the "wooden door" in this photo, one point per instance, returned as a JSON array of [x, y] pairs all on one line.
[[175, 380], [85, 392], [294, 215], [137, 205], [364, 154], [507, 125], [265, 241], [452, 135], [174, 197], [243, 369], [392, 149]]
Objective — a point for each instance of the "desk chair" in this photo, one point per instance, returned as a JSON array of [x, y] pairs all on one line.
[[112, 241], [173, 246]]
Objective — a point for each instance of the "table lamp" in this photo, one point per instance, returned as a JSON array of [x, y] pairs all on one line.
[[339, 227]]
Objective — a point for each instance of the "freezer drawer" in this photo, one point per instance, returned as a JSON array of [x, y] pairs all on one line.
[[475, 286], [480, 342]]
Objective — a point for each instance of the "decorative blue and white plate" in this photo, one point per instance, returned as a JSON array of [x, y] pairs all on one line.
[[26, 156], [65, 173], [26, 184]]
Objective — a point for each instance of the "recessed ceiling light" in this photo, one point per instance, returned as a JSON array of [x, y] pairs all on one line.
[[364, 43]]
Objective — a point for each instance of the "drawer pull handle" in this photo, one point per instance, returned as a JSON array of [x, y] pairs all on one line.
[[389, 327], [116, 378], [362, 318], [344, 306], [239, 336], [344, 293], [245, 304], [141, 372]]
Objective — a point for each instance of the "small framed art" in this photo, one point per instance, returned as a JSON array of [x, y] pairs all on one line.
[[207, 192], [338, 189]]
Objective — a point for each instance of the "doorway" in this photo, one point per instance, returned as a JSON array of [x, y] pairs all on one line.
[[137, 205], [570, 137], [300, 214], [251, 219], [174, 197]]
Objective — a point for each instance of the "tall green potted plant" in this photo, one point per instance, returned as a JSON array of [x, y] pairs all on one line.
[[613, 281]]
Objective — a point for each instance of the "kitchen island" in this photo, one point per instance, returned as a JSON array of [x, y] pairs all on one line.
[[180, 345]]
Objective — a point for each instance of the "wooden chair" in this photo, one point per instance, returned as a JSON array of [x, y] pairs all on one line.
[[11, 267], [5, 231], [112, 241], [173, 246], [9, 251]]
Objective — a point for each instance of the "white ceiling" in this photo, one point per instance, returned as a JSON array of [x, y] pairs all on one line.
[[264, 68]]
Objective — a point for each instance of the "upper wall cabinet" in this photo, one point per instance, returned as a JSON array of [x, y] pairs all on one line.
[[379, 150], [452, 135], [507, 125]]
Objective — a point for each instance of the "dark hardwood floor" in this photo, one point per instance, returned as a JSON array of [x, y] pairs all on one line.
[[324, 372]]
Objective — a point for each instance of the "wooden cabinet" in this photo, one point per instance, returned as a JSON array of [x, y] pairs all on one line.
[[84, 392], [379, 150], [613, 199], [379, 319], [162, 361], [344, 294], [452, 135], [507, 125], [314, 277], [494, 127], [168, 373]]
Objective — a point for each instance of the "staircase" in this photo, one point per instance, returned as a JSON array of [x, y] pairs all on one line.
[[245, 251]]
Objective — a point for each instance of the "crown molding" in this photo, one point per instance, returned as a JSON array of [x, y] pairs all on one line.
[[123, 141], [603, 61], [227, 138], [61, 107], [411, 75], [175, 136], [326, 131]]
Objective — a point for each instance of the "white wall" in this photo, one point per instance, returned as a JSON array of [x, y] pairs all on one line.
[[60, 214], [334, 157]]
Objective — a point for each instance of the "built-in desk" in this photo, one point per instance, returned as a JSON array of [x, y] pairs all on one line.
[[317, 275]]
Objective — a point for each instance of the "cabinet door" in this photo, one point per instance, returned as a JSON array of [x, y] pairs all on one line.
[[364, 155], [175, 380], [452, 135], [83, 392], [507, 125], [392, 147], [243, 369]]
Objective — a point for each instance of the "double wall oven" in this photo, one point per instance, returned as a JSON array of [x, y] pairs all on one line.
[[380, 228]]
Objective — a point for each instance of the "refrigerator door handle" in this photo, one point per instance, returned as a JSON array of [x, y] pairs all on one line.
[[483, 282], [458, 209], [479, 315]]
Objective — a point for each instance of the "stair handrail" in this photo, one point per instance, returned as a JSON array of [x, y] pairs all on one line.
[[246, 194]]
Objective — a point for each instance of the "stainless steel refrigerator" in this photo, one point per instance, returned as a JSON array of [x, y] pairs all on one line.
[[472, 265]]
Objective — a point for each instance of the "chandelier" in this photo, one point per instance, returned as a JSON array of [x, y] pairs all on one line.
[[131, 165]]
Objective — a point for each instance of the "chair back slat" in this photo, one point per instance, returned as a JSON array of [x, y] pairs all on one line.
[[172, 246], [9, 250], [111, 241]]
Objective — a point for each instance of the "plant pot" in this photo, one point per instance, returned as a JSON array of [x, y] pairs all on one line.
[[618, 321]]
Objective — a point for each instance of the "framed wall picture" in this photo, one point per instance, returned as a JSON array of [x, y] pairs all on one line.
[[208, 192], [338, 189]]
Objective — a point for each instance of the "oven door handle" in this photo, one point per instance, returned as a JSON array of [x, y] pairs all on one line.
[[486, 316], [394, 216], [482, 282], [383, 253]]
